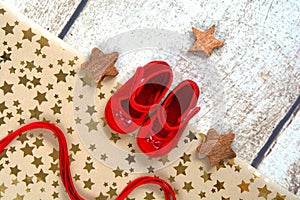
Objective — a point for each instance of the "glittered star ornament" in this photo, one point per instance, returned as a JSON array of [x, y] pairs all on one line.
[[101, 65], [205, 41], [217, 147]]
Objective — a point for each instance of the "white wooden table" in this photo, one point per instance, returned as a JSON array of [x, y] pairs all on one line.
[[259, 65]]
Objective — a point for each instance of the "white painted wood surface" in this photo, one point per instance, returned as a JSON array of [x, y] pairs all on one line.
[[259, 63]]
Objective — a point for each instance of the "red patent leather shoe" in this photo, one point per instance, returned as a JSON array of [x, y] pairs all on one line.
[[162, 131], [128, 107]]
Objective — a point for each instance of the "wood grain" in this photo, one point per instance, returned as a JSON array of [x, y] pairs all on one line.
[[257, 63], [282, 163], [51, 15]]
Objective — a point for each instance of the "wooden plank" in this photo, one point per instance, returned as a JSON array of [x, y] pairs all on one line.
[[51, 15], [282, 164], [257, 66]]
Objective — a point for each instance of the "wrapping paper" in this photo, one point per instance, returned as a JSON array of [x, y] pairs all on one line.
[[41, 79]]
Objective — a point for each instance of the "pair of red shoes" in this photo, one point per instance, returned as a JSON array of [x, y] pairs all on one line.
[[137, 104]]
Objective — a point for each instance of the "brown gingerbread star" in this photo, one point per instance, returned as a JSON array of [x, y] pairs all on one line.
[[217, 147], [205, 41], [101, 65]]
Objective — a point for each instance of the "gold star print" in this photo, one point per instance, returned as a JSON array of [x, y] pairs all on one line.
[[28, 180], [37, 161], [188, 186], [92, 125], [219, 185], [19, 197], [6, 88], [18, 45], [186, 157], [2, 11], [28, 34], [205, 41], [2, 188], [54, 167], [86, 80], [61, 76], [40, 97], [101, 95], [54, 154], [75, 148], [60, 62], [8, 29], [55, 195], [237, 168], [23, 80], [91, 110], [112, 192], [2, 107], [118, 172], [38, 142], [279, 197], [114, 137], [35, 113], [56, 109], [217, 147], [71, 63], [101, 197], [44, 42], [88, 184], [244, 186], [14, 170], [180, 169], [27, 150], [15, 182], [223, 198], [30, 65], [22, 138], [149, 196], [6, 56], [41, 176], [202, 194], [89, 166], [206, 176], [264, 192], [101, 65], [164, 159]]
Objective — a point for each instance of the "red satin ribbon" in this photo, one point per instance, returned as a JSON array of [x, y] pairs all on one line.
[[65, 164]]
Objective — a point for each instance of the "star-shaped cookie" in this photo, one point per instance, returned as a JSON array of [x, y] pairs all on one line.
[[101, 65], [217, 147], [205, 41]]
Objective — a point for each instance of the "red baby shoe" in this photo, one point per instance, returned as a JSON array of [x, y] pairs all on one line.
[[128, 107], [162, 131]]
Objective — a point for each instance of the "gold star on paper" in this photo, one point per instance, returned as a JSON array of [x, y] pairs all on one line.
[[114, 137], [27, 150], [28, 34], [202, 194], [101, 197], [2, 107], [40, 97], [30, 65], [28, 180], [264, 192], [2, 11], [91, 110], [15, 182], [54, 167], [188, 186], [164, 159], [61, 76], [14, 170], [180, 169], [54, 154], [23, 80], [22, 138], [101, 65], [86, 80], [38, 142], [6, 88], [186, 157], [8, 29], [56, 109], [35, 113], [19, 197], [41, 176], [55, 195], [279, 197], [118, 172], [223, 198], [44, 42], [101, 95], [89, 166], [217, 147], [36, 81], [237, 168], [92, 125], [205, 41], [6, 56], [37, 161], [171, 179], [104, 121], [60, 62], [18, 45], [75, 148], [2, 188], [219, 185], [88, 184], [244, 186], [206, 176], [149, 196], [112, 192]]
